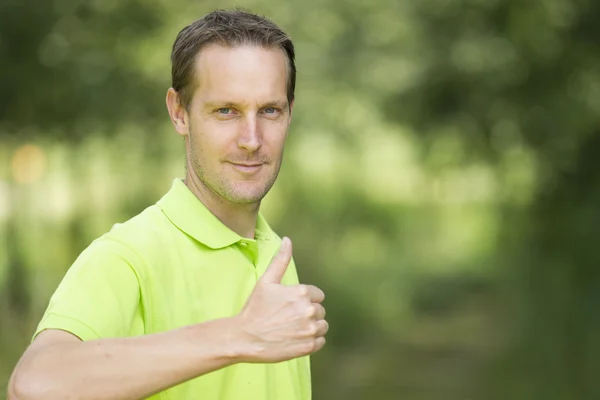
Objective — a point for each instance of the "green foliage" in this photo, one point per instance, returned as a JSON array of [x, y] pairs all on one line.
[[440, 181]]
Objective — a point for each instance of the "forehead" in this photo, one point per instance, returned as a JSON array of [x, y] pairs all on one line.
[[240, 74]]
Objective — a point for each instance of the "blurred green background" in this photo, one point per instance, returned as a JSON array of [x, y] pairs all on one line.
[[440, 182]]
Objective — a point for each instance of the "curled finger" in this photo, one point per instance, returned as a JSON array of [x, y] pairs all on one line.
[[322, 328]]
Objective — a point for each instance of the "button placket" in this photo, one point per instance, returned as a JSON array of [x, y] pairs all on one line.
[[250, 249]]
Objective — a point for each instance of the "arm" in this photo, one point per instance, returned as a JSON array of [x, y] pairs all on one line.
[[58, 364], [277, 323]]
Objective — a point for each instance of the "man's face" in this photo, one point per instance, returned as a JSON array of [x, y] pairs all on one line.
[[238, 120]]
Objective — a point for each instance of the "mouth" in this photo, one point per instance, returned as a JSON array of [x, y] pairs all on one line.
[[247, 167]]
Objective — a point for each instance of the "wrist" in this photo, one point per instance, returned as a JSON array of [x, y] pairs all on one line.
[[241, 348], [219, 340]]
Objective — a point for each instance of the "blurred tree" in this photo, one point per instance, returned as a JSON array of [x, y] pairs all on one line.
[[68, 69], [511, 74], [510, 84]]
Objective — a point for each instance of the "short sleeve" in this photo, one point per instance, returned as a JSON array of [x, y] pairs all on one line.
[[99, 295]]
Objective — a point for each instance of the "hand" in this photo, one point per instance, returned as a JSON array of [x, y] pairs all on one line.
[[282, 322]]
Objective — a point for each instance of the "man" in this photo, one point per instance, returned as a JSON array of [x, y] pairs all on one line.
[[195, 297]]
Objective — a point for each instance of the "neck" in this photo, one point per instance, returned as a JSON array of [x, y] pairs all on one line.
[[240, 218]]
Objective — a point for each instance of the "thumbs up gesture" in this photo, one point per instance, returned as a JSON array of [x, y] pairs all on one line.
[[282, 322]]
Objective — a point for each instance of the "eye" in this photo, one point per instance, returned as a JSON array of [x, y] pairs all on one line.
[[224, 111], [270, 111]]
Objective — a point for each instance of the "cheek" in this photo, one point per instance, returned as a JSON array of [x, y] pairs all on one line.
[[275, 136], [213, 141]]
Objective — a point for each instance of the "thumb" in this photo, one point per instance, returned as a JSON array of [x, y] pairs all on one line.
[[279, 263]]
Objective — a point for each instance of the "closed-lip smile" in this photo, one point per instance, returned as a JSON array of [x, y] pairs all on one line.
[[248, 165], [247, 168]]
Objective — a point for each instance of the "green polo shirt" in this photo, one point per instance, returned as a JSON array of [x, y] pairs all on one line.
[[176, 264]]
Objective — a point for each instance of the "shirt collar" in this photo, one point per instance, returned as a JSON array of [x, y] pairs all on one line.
[[263, 231], [192, 217]]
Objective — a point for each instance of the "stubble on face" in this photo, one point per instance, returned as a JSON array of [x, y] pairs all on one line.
[[226, 189]]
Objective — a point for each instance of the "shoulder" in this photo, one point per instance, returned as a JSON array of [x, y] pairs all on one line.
[[134, 241], [142, 232]]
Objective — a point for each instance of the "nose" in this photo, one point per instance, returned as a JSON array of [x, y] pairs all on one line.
[[250, 138]]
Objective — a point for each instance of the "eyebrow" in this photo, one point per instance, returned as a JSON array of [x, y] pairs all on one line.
[[226, 104], [279, 104]]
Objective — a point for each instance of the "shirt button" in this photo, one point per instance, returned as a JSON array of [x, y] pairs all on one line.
[[243, 244]]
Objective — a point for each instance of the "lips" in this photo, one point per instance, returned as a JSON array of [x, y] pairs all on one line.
[[247, 167]]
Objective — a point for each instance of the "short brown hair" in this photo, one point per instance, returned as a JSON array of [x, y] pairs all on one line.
[[231, 29]]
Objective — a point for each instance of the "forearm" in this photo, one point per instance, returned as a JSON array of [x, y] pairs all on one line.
[[127, 368]]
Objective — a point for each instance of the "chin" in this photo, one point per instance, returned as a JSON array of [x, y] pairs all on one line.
[[240, 199], [246, 196], [245, 192]]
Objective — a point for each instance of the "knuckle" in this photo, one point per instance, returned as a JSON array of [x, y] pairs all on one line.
[[306, 348], [313, 329], [312, 346], [320, 342], [321, 311], [312, 311], [302, 290]]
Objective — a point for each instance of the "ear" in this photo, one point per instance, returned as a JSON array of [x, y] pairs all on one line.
[[177, 112]]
